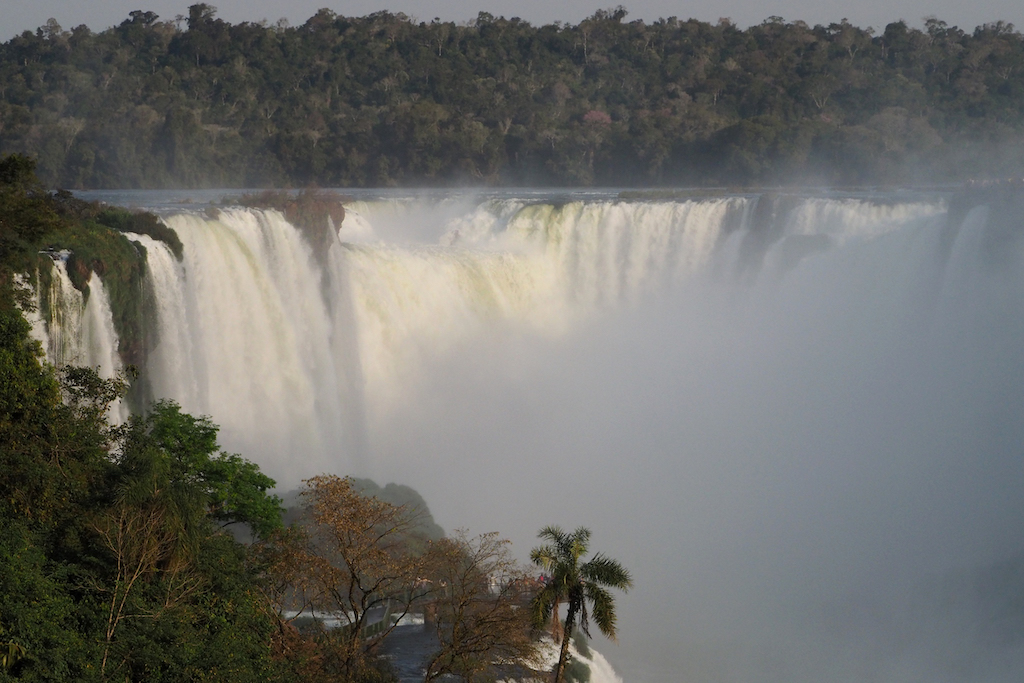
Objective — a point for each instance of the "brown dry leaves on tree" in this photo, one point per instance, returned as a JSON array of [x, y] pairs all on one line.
[[356, 559], [479, 609], [352, 561]]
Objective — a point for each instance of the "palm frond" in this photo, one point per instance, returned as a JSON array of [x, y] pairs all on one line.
[[579, 542], [545, 556], [544, 604], [605, 571], [552, 533], [603, 610]]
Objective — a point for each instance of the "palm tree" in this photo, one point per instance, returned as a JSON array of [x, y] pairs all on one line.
[[576, 585]]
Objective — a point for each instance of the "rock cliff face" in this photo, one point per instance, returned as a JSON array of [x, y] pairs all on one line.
[[317, 214]]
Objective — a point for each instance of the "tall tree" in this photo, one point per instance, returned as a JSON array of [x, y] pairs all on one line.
[[576, 585], [483, 632], [355, 557]]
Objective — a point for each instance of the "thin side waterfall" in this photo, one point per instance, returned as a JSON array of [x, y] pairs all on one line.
[[99, 340], [65, 342], [75, 330]]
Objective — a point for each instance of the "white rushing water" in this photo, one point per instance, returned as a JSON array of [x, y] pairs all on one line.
[[796, 418], [282, 353], [600, 670], [78, 330], [246, 336]]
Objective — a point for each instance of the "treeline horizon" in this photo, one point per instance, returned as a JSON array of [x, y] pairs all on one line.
[[382, 100]]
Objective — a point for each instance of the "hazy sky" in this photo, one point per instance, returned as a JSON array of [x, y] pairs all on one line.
[[19, 15]]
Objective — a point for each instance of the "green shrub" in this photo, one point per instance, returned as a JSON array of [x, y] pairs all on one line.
[[143, 223]]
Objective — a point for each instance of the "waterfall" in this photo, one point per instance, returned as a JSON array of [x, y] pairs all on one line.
[[295, 359], [74, 330], [773, 408], [246, 335], [61, 331]]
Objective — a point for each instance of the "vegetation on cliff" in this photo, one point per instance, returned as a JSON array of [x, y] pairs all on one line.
[[35, 223]]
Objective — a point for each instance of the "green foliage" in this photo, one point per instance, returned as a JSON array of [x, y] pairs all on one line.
[[112, 563], [117, 218], [142, 223], [220, 633], [38, 636], [182, 449], [382, 100], [168, 561], [26, 215], [54, 452]]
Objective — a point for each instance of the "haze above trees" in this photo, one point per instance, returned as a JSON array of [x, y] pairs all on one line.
[[380, 100]]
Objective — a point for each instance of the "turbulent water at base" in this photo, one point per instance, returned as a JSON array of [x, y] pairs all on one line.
[[797, 418]]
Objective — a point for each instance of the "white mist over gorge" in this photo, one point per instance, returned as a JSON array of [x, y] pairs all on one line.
[[798, 419]]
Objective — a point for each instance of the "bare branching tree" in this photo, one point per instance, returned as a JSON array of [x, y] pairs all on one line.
[[479, 610], [357, 565]]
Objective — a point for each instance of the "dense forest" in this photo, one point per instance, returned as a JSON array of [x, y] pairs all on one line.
[[382, 100]]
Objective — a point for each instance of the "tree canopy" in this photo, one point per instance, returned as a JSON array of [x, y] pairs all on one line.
[[382, 100]]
